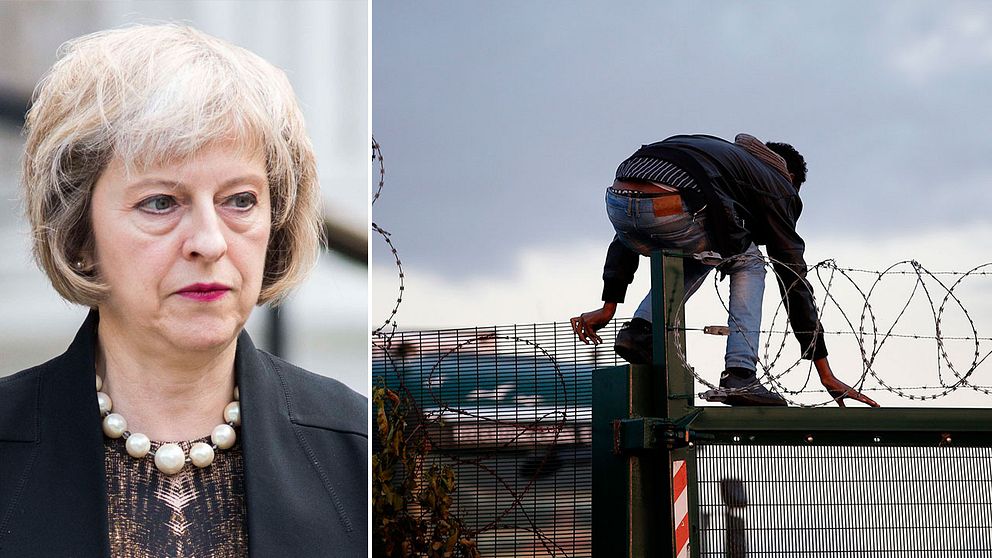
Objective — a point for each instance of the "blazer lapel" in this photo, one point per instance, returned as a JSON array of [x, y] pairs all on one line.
[[291, 505]]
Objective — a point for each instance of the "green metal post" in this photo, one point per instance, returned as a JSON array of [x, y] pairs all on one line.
[[680, 380], [662, 506], [632, 488], [627, 487]]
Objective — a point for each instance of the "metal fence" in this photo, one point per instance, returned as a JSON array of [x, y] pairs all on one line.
[[844, 501], [510, 409], [777, 481]]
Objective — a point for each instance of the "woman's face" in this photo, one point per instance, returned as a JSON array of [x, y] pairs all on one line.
[[182, 247]]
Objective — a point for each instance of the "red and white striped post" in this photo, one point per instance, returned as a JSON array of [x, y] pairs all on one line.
[[680, 502]]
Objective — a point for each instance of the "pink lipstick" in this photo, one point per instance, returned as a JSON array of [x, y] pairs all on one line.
[[204, 292]]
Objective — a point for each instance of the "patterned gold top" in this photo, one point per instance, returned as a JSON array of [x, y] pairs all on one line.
[[197, 512]]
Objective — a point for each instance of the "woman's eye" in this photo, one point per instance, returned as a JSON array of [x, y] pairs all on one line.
[[158, 204], [244, 200]]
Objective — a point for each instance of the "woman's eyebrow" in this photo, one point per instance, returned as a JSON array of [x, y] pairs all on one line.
[[170, 184], [255, 179]]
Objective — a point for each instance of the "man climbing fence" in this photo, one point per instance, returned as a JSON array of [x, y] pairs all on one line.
[[695, 194]]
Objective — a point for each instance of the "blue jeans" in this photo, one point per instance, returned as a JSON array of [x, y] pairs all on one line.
[[641, 230]]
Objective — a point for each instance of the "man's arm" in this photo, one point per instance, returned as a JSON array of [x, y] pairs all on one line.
[[836, 388], [588, 323], [618, 273], [786, 248]]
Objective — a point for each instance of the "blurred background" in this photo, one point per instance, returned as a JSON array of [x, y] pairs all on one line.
[[323, 47]]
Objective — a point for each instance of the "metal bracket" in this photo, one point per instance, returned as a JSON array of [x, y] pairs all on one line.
[[650, 433], [716, 330]]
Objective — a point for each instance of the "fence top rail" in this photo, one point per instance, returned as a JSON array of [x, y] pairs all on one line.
[[847, 426], [886, 419]]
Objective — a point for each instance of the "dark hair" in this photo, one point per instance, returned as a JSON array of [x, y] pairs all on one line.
[[793, 160]]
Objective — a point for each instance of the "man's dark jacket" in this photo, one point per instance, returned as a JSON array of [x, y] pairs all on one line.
[[304, 438], [745, 200]]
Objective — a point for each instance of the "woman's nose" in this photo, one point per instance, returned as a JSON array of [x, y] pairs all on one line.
[[205, 234]]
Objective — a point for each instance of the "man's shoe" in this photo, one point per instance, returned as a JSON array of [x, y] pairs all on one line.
[[743, 389], [633, 342]]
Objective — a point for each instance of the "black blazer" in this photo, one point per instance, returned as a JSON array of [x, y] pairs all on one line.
[[304, 437]]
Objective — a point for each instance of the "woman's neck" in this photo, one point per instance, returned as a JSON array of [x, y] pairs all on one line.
[[168, 397]]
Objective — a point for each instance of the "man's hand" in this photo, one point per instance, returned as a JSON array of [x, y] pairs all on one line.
[[586, 325], [838, 389]]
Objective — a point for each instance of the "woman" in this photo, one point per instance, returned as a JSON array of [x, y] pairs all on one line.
[[171, 187]]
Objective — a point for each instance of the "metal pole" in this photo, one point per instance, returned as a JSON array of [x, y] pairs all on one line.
[[633, 515], [664, 520], [735, 499]]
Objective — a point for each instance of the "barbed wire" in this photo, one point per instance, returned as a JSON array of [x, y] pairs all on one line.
[[534, 426], [863, 325], [552, 421], [377, 159], [389, 322], [865, 328]]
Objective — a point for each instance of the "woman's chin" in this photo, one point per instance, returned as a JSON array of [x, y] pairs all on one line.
[[203, 333]]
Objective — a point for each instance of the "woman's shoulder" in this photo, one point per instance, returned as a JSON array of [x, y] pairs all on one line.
[[20, 393], [15, 383], [321, 401]]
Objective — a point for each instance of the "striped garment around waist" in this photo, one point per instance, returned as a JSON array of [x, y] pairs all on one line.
[[655, 170]]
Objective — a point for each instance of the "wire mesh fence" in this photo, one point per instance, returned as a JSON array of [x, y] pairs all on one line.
[[844, 501], [509, 408]]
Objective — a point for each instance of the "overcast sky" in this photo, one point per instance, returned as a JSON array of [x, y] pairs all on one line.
[[509, 118], [502, 123]]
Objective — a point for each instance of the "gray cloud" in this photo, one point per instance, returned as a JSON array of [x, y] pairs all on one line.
[[502, 122]]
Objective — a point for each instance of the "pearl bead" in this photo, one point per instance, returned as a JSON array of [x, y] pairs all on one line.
[[232, 413], [223, 436], [170, 459], [202, 455], [114, 425], [106, 405], [138, 445]]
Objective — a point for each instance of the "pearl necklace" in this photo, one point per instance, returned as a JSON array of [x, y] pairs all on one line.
[[169, 457]]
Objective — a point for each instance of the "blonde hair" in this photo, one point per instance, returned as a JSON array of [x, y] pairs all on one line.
[[150, 94]]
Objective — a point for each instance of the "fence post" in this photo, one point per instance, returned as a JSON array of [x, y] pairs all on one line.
[[660, 320], [632, 486], [677, 401]]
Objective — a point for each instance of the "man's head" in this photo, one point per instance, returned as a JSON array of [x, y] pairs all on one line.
[[793, 160]]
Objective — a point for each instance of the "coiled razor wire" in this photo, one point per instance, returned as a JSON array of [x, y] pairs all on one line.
[[552, 422], [864, 328], [378, 160], [536, 426], [389, 322]]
